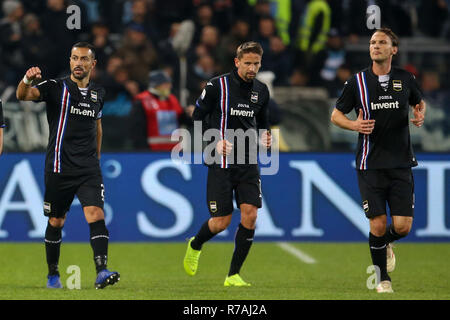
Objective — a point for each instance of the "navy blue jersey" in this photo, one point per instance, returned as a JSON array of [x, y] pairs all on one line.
[[72, 119], [389, 145], [229, 103]]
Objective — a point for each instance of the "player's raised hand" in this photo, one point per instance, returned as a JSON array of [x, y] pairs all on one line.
[[364, 126], [24, 90], [34, 73], [224, 147], [419, 116]]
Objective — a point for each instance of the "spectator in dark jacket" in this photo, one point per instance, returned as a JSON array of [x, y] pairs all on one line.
[[278, 60], [54, 21], [138, 54], [35, 46], [10, 36]]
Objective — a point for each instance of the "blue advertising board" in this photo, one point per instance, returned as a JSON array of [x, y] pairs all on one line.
[[150, 197]]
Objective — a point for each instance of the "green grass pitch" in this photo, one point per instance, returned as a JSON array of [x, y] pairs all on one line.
[[155, 271]]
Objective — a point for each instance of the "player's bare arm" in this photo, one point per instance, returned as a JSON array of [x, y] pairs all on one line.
[[99, 137], [24, 90], [419, 114], [360, 125]]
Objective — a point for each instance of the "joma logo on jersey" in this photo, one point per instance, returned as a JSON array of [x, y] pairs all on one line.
[[384, 105], [242, 113], [87, 113]]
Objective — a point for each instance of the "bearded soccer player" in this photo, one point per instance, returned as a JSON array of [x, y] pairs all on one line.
[[72, 166], [230, 102], [381, 96]]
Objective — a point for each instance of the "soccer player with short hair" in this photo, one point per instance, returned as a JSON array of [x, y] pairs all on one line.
[[233, 101], [72, 166], [381, 95]]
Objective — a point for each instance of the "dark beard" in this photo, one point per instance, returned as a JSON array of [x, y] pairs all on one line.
[[248, 79], [81, 76]]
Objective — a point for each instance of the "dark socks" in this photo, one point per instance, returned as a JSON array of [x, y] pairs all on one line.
[[242, 243], [99, 243], [378, 253], [391, 235], [203, 235], [53, 238]]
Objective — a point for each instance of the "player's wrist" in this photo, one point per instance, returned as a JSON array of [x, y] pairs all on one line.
[[26, 80]]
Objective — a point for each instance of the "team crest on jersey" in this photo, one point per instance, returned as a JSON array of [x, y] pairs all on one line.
[[254, 97], [213, 206], [94, 96], [366, 206], [397, 85], [47, 207]]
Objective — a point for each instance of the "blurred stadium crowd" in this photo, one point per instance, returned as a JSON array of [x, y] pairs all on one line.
[[305, 42]]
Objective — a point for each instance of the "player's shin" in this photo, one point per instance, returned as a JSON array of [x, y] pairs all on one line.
[[243, 242], [378, 253], [99, 243], [203, 235], [53, 238], [391, 235]]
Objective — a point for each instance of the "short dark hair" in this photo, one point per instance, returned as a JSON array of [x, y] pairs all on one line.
[[83, 44], [390, 34], [249, 47]]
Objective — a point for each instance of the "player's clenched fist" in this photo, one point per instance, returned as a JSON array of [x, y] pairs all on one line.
[[224, 147], [34, 73]]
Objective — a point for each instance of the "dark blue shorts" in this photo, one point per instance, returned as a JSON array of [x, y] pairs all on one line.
[[60, 191], [394, 187], [244, 181]]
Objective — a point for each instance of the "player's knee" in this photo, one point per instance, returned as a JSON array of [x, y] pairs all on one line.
[[378, 231], [94, 214], [56, 222], [219, 224], [403, 230], [378, 227], [248, 218]]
